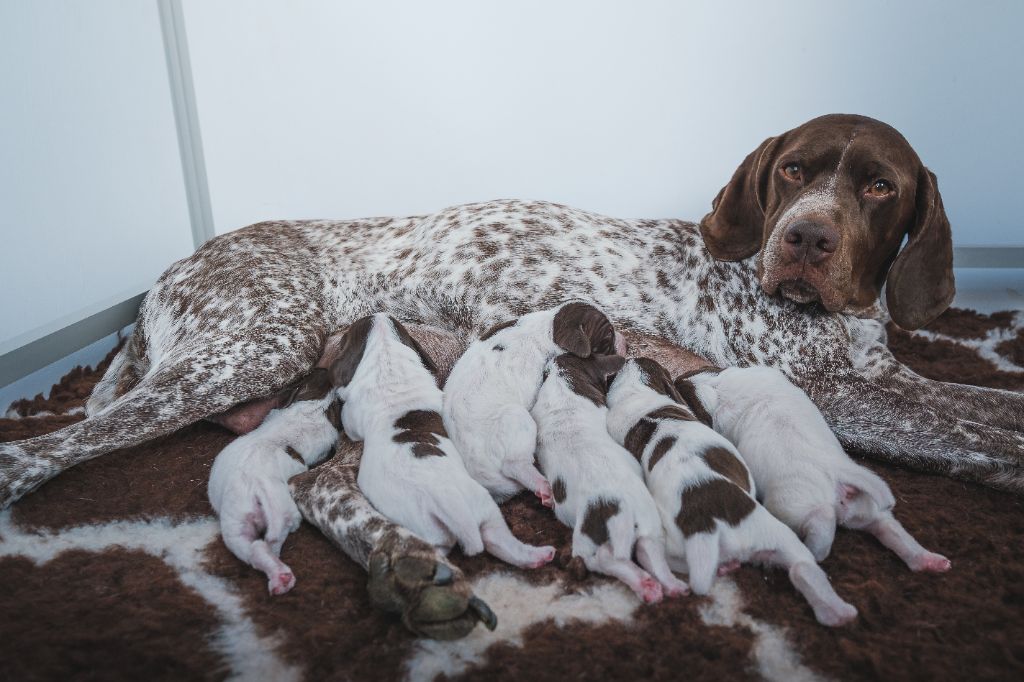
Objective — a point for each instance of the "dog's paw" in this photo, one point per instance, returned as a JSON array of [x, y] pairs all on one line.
[[281, 582], [930, 562], [410, 577]]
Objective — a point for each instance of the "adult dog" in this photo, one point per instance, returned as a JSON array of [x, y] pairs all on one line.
[[825, 207]]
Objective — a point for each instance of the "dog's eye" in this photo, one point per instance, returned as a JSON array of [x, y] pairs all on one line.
[[791, 171], [880, 188]]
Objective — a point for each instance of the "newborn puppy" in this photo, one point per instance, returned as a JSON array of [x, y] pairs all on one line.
[[494, 384], [704, 492], [248, 485], [803, 475], [597, 486], [410, 471]]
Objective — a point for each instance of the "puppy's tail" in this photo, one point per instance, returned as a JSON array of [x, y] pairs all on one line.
[[622, 534], [702, 553], [862, 479]]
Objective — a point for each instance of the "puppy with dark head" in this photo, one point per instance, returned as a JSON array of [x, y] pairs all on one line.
[[598, 488], [828, 205], [410, 471], [704, 491], [494, 384]]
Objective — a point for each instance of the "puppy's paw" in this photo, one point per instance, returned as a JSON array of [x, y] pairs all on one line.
[[541, 557], [650, 591], [930, 562], [728, 567], [835, 615], [281, 582]]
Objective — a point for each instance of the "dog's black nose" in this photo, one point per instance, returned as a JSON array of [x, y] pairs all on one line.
[[810, 240]]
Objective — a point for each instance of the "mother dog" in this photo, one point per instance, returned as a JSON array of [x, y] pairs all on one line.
[[825, 207]]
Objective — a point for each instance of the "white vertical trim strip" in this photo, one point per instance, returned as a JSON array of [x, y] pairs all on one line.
[[186, 115]]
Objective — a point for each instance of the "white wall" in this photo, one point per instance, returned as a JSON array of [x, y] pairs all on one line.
[[347, 109], [90, 176]]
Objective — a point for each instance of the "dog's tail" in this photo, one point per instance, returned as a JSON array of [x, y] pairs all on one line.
[[863, 480], [622, 534]]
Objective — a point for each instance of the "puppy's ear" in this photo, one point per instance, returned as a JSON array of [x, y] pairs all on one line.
[[582, 329], [920, 284], [688, 392], [353, 345], [313, 386], [609, 364], [406, 338], [734, 228]]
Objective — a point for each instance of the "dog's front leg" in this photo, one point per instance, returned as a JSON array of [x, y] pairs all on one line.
[[888, 425], [991, 406], [406, 575]]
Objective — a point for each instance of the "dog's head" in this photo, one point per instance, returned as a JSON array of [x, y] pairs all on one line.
[[583, 330], [828, 205]]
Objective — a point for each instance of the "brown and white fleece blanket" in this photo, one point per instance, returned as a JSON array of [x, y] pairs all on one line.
[[115, 570]]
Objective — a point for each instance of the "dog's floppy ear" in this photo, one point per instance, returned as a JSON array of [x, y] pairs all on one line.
[[567, 330], [733, 229], [312, 386], [920, 284], [405, 337], [578, 326], [609, 364], [353, 345]]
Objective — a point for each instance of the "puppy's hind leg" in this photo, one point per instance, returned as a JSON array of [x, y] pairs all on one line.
[[893, 535], [515, 439], [650, 552], [640, 581], [242, 524], [805, 574], [501, 543], [819, 531]]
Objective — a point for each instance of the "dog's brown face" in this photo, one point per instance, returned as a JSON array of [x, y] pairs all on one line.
[[828, 205]]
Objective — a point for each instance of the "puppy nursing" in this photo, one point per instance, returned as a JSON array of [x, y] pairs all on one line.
[[803, 475], [704, 492], [492, 387], [410, 471], [597, 485], [248, 485]]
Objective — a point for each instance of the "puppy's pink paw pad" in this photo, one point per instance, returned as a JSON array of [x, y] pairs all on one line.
[[650, 591], [544, 493], [932, 563], [543, 558], [281, 583], [728, 567]]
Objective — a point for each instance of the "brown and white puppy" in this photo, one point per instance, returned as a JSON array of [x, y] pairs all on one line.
[[828, 205], [493, 386], [410, 470], [803, 475], [598, 489], [704, 492]]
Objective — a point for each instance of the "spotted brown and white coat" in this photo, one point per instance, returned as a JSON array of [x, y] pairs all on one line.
[[598, 490], [803, 477], [704, 492], [410, 469], [251, 310]]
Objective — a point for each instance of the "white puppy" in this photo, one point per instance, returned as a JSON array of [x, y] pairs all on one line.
[[494, 384], [410, 470], [248, 485], [803, 475], [704, 492], [597, 486]]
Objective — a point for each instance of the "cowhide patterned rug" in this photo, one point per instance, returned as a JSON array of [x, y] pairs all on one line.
[[116, 571]]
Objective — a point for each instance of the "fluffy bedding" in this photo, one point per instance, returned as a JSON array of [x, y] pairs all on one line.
[[115, 570]]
